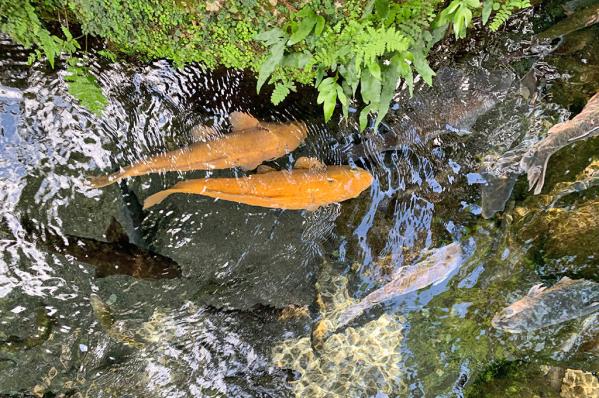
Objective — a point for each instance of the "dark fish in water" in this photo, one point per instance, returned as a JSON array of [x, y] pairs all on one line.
[[432, 270], [582, 126], [44, 324], [541, 307], [116, 257], [453, 104], [579, 19]]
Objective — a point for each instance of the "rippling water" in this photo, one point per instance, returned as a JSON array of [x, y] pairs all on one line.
[[249, 275]]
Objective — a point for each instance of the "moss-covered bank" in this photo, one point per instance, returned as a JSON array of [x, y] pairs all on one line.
[[336, 46]]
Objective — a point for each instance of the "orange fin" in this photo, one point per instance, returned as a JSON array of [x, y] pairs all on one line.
[[263, 169], [104, 181], [243, 121], [309, 163], [204, 133]]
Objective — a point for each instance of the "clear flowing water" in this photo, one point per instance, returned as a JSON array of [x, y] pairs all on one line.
[[254, 282]]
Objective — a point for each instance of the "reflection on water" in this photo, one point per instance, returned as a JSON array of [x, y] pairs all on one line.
[[252, 284]]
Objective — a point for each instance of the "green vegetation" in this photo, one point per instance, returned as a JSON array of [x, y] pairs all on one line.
[[83, 86], [337, 46]]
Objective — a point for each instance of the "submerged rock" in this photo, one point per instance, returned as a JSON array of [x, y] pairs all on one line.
[[578, 383], [359, 362]]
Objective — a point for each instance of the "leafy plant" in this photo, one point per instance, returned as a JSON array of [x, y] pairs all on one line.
[[363, 49], [84, 87], [375, 52]]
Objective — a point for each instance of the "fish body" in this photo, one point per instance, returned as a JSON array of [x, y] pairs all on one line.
[[583, 126], [453, 104], [248, 145], [432, 270], [118, 257], [542, 307], [300, 188]]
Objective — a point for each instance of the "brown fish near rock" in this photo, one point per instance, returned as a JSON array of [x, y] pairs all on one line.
[[117, 257], [250, 143], [309, 185]]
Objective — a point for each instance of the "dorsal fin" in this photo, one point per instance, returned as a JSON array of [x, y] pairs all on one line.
[[243, 121], [263, 169], [536, 289], [115, 233], [204, 133], [309, 163]]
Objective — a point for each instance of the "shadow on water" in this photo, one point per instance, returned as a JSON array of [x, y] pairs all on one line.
[[251, 284]]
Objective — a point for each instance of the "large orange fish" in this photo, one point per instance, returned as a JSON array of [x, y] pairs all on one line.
[[308, 186], [250, 143]]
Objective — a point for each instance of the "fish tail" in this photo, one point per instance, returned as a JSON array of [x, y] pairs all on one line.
[[189, 186], [105, 180], [157, 198]]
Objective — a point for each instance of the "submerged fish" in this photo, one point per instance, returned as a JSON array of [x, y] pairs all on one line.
[[117, 257], [309, 185], [578, 19], [250, 143], [542, 307], [453, 104], [582, 126], [433, 270]]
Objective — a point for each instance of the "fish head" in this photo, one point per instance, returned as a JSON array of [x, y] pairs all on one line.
[[155, 266], [514, 318], [350, 182]]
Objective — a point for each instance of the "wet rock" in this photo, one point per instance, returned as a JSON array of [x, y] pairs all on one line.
[[578, 383], [566, 240]]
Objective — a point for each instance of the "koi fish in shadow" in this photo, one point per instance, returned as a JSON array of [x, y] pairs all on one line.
[[116, 257]]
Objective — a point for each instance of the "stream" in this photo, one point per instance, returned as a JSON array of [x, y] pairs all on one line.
[[232, 305]]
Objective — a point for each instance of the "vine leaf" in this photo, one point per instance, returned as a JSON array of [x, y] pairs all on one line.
[[269, 65], [327, 95], [305, 26]]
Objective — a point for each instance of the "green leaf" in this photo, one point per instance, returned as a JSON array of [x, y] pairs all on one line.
[[370, 88], [85, 88], [320, 21], [422, 67], [327, 95], [269, 65], [304, 28], [391, 75], [364, 116], [382, 8], [487, 8], [271, 37], [473, 3], [344, 101], [279, 93], [375, 69], [296, 60], [351, 75]]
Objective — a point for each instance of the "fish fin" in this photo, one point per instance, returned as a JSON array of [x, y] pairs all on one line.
[[263, 169], [105, 180], [243, 121], [115, 233], [204, 133], [536, 289], [308, 163], [156, 198]]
